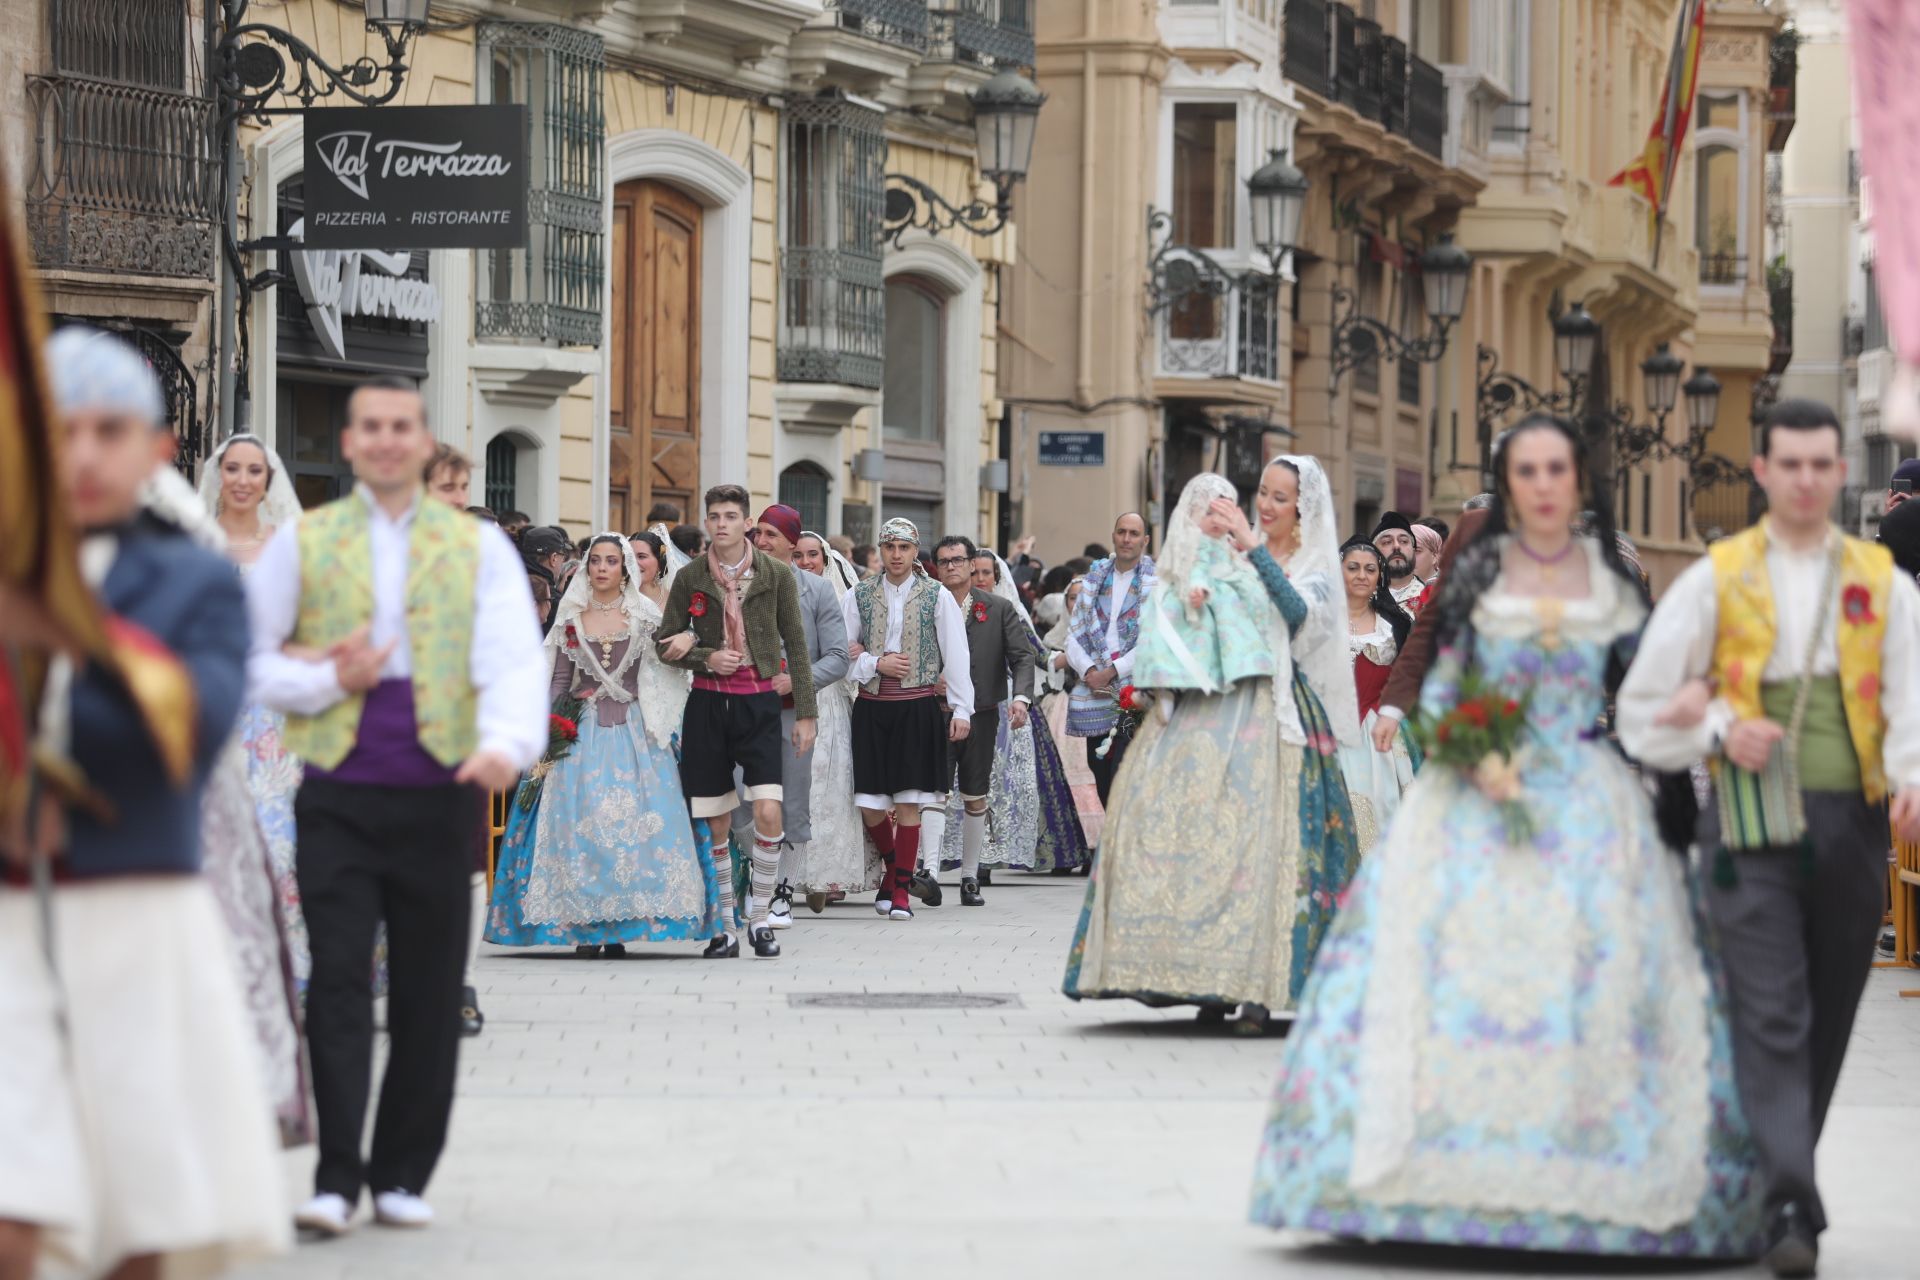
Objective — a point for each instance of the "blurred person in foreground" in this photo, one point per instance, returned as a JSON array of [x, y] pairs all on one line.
[[135, 1129]]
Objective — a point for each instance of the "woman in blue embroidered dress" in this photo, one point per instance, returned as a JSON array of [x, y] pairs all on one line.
[[1230, 836], [599, 850], [1515, 1036]]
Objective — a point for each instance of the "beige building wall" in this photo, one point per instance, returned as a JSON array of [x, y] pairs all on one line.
[[1076, 344], [1819, 241]]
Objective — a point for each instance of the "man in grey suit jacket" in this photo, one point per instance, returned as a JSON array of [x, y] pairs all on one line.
[[1000, 661], [775, 534]]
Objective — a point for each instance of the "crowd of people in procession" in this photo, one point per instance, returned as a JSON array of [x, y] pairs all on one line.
[[1521, 1014]]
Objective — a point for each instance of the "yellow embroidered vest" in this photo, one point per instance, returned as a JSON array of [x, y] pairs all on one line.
[[336, 596], [1743, 594]]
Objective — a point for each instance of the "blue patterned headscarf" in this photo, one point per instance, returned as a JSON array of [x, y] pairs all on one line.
[[92, 369]]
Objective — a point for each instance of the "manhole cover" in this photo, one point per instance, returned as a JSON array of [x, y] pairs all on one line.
[[900, 1000]]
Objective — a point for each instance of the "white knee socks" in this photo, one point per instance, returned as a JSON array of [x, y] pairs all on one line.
[[973, 838], [476, 922], [766, 874], [933, 830]]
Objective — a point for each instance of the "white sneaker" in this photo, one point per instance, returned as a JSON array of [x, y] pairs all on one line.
[[326, 1213], [780, 915], [883, 906], [401, 1209]]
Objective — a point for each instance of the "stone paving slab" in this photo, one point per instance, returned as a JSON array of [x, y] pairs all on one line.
[[669, 1116]]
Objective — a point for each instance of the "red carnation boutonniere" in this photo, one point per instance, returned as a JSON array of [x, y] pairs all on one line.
[[979, 610], [573, 638], [1856, 605], [698, 605]]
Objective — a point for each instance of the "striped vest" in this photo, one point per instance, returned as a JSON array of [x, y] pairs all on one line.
[[919, 636], [336, 596]]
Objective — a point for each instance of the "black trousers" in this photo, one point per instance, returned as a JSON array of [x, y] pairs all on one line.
[[403, 855], [1797, 946], [1103, 770]]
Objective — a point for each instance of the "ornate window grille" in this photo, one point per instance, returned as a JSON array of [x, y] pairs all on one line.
[[550, 290], [503, 474], [833, 312], [803, 486], [901, 22], [121, 176], [983, 33]]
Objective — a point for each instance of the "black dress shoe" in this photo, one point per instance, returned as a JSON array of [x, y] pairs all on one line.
[[1792, 1247], [586, 951], [471, 1019], [724, 947], [763, 944], [615, 951], [925, 887], [1061, 871], [986, 875], [970, 894]]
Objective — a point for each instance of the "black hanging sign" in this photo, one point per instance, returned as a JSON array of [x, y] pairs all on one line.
[[416, 177]]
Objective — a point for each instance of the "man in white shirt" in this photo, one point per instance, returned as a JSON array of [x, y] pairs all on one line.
[[1101, 637], [398, 635], [905, 635], [1393, 539], [1786, 659]]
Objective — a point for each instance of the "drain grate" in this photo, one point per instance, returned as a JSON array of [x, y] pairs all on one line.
[[901, 1000]]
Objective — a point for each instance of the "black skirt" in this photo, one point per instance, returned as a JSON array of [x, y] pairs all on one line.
[[900, 746]]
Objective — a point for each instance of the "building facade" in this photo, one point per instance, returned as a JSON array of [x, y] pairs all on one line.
[[709, 291]]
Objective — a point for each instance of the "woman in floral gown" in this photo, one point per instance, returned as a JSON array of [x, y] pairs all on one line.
[[599, 850], [1230, 835], [1512, 1037]]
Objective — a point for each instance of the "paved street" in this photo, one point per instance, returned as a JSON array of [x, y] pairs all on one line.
[[665, 1116]]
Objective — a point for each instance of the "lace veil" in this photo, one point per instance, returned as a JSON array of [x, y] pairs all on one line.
[[279, 506], [1174, 565], [1320, 647]]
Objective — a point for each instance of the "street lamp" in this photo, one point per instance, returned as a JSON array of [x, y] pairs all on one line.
[[1703, 402], [1661, 372], [1277, 197], [1445, 269], [1575, 335], [252, 71], [1006, 112]]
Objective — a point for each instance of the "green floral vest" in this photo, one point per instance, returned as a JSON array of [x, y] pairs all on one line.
[[919, 636], [336, 596]]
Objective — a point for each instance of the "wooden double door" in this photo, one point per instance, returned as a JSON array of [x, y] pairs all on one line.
[[654, 453]]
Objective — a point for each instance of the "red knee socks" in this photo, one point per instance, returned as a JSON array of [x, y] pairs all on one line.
[[906, 852]]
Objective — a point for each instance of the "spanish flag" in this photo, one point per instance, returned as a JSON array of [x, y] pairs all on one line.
[[39, 557], [1652, 173]]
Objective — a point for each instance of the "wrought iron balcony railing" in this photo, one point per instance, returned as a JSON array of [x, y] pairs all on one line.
[[1339, 55], [983, 33], [121, 178], [1723, 268], [1235, 334], [899, 22]]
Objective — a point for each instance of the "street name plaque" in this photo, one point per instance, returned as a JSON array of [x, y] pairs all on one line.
[[1073, 448], [385, 178]]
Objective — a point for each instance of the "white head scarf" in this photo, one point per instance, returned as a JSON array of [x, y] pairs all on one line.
[[1174, 565], [574, 602], [89, 368], [279, 506], [1319, 649], [676, 558], [840, 574]]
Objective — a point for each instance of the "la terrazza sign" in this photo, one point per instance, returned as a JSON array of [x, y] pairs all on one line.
[[337, 283], [389, 178]]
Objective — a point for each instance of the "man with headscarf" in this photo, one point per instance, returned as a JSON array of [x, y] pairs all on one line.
[[1393, 539], [431, 682], [121, 976], [905, 635], [775, 533]]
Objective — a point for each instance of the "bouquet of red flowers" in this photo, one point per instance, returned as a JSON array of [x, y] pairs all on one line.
[[1481, 736], [563, 730], [1133, 710]]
